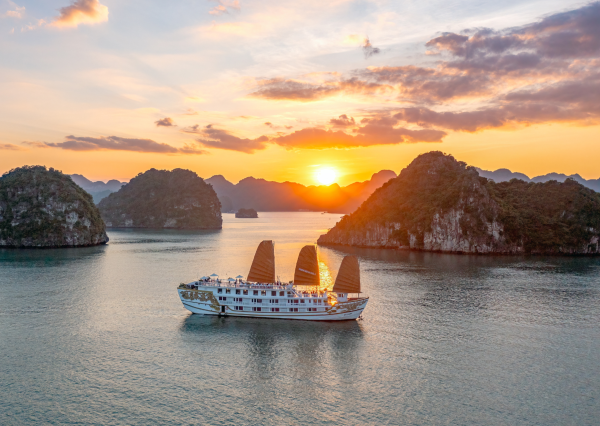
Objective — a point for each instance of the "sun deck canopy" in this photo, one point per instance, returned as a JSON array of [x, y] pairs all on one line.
[[263, 265], [307, 267], [348, 278]]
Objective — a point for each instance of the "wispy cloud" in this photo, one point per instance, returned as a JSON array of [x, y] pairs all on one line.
[[364, 43], [11, 147], [17, 12], [307, 91], [116, 143], [36, 144], [225, 6], [81, 12], [212, 137], [368, 49]]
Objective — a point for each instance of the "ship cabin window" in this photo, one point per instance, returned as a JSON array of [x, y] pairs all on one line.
[[222, 298], [273, 293], [341, 294], [237, 291], [256, 309], [302, 301], [227, 291], [293, 309], [219, 290], [282, 293], [256, 300], [239, 308], [295, 301], [255, 292], [274, 300], [263, 292], [246, 292], [237, 299], [274, 309], [290, 294], [312, 309]]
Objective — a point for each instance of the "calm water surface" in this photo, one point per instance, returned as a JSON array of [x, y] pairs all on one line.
[[98, 336]]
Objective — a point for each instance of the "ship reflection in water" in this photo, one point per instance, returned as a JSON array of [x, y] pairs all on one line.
[[99, 336]]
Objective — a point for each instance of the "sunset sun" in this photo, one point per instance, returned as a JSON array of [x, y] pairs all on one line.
[[326, 175]]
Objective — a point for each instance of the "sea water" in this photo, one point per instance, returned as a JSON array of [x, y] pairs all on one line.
[[99, 336]]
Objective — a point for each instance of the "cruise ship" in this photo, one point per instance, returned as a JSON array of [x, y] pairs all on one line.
[[261, 295]]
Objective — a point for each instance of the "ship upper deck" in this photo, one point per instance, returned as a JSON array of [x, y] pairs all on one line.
[[245, 285]]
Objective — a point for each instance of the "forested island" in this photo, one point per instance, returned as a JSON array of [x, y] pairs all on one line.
[[440, 204], [42, 207], [246, 214], [177, 199]]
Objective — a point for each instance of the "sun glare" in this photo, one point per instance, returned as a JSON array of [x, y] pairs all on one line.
[[326, 175]]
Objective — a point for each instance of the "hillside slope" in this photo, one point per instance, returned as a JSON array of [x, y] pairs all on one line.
[[163, 199]]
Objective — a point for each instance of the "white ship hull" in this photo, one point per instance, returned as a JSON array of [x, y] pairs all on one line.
[[204, 301]]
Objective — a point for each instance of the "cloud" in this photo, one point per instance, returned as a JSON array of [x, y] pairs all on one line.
[[11, 147], [280, 89], [567, 101], [116, 143], [543, 72], [16, 13], [369, 135], [36, 144], [225, 7], [306, 91], [222, 139], [368, 49], [342, 121], [81, 12], [377, 130], [164, 122]]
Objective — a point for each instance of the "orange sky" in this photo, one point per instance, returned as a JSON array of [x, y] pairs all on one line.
[[277, 90]]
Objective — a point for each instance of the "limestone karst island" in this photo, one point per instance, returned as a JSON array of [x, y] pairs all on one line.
[[440, 204], [163, 199], [42, 207]]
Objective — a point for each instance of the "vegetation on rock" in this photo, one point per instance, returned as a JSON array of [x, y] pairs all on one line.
[[247, 213], [438, 203], [45, 208], [163, 199]]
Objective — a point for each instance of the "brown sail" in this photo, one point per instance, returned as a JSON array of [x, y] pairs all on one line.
[[348, 278], [263, 265], [307, 267]]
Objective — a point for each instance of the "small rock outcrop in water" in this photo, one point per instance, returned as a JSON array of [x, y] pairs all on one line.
[[45, 208], [163, 199], [440, 204], [247, 214]]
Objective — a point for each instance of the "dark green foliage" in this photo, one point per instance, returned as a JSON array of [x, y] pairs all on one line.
[[35, 204], [160, 198], [546, 217]]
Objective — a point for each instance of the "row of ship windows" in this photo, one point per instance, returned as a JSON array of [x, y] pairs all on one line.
[[256, 292], [259, 309], [291, 301]]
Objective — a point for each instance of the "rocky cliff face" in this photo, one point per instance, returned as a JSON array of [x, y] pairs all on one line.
[[163, 199], [440, 204], [45, 208]]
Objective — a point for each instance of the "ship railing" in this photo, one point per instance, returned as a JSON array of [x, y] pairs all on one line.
[[244, 284]]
